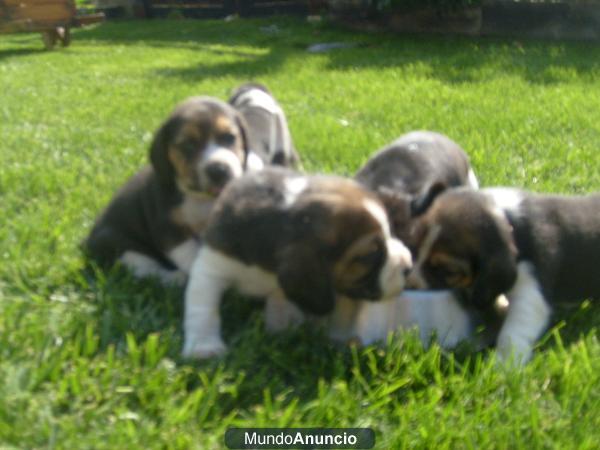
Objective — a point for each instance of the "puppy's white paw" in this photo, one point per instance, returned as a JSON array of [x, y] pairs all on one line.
[[174, 278], [203, 348], [514, 351], [281, 314]]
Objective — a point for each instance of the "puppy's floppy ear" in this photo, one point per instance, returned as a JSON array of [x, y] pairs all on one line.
[[159, 152], [497, 273], [306, 279], [243, 127], [422, 202]]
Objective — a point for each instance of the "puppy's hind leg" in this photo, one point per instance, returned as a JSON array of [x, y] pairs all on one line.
[[144, 266], [209, 278], [107, 246]]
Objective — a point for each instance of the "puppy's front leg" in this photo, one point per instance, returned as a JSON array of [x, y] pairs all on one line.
[[527, 318], [280, 314], [202, 322], [342, 321]]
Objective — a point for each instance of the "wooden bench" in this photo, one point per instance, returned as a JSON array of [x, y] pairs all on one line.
[[53, 18]]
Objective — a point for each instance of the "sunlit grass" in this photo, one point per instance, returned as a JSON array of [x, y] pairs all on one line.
[[93, 362]]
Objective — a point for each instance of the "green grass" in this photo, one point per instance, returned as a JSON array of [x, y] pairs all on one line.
[[94, 362]]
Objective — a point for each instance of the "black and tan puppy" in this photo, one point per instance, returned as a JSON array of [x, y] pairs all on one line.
[[268, 132], [536, 249], [407, 171], [154, 223], [306, 239]]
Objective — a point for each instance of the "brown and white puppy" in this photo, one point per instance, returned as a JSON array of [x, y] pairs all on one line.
[[413, 167], [536, 249], [268, 132], [303, 239], [154, 223]]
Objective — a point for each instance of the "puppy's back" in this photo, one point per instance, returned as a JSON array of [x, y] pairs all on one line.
[[123, 224], [560, 235], [248, 219], [414, 161]]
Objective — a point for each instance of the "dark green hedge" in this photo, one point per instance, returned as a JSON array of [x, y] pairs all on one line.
[[382, 5]]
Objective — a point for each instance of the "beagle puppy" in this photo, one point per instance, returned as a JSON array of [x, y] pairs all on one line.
[[414, 166], [154, 223], [303, 239], [268, 132], [536, 249]]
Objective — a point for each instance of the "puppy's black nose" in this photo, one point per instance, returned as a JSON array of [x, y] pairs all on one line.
[[407, 271], [218, 173]]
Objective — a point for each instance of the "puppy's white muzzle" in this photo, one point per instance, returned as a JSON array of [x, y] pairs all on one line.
[[218, 166]]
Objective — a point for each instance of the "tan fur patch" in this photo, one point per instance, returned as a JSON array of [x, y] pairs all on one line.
[[193, 214], [223, 124], [190, 131], [349, 269], [181, 165]]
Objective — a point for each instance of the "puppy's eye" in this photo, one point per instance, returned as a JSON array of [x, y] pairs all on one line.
[[437, 268], [373, 256], [188, 148], [450, 275], [457, 280], [226, 139]]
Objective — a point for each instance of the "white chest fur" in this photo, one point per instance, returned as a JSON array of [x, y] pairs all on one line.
[[193, 212]]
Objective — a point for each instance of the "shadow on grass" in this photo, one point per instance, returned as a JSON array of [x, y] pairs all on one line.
[[457, 60], [296, 358], [575, 321], [251, 67], [17, 45], [291, 366], [451, 60], [17, 52]]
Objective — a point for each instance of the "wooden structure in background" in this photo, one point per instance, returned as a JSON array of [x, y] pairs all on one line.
[[53, 18]]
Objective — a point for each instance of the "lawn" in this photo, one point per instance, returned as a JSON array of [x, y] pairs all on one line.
[[93, 361]]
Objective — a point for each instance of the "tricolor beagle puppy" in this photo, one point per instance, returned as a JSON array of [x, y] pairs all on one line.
[[268, 132], [154, 223], [407, 171], [536, 249], [304, 239]]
